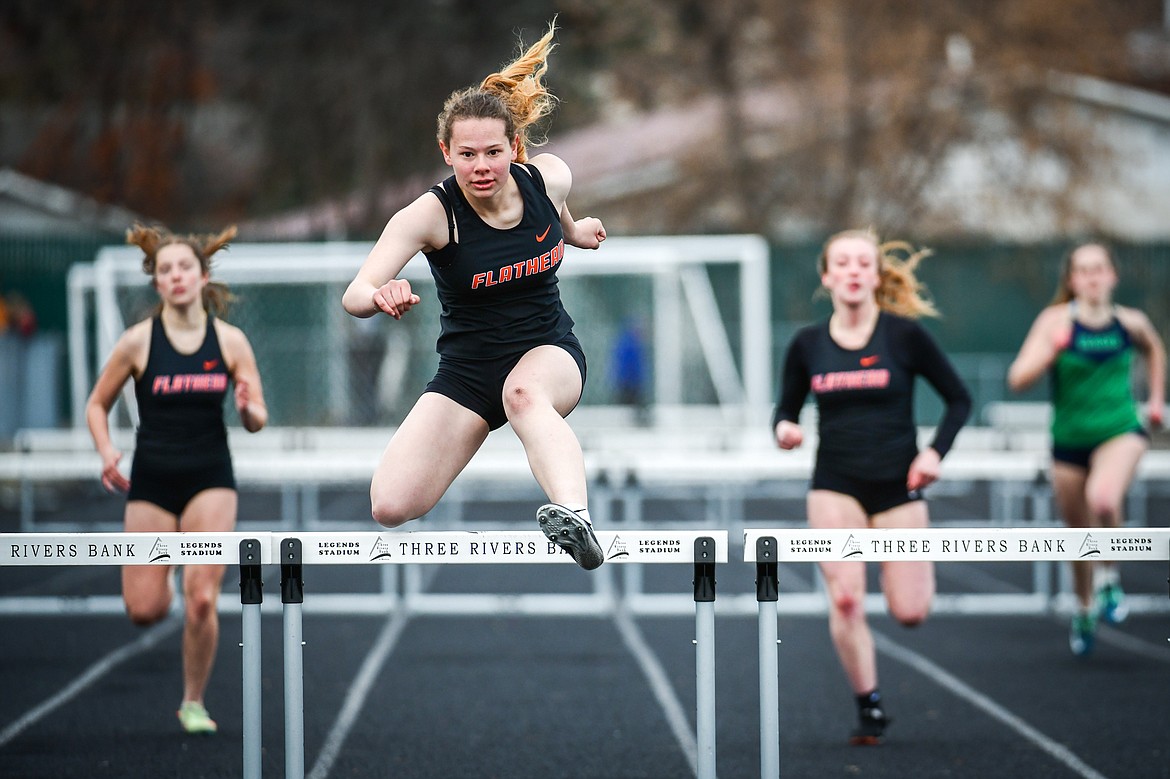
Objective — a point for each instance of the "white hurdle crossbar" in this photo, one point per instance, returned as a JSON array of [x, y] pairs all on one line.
[[703, 549], [248, 550], [768, 548]]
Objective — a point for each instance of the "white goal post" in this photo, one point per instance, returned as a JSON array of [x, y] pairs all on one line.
[[683, 310]]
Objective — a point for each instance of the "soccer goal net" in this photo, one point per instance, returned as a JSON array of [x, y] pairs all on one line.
[[688, 314]]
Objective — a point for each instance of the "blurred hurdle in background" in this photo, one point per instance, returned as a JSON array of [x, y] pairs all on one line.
[[768, 548]]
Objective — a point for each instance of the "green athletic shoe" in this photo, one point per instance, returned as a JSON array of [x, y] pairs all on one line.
[[1111, 605], [194, 718], [1082, 634]]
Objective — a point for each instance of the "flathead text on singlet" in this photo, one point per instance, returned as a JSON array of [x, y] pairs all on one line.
[[189, 383], [874, 378], [519, 270]]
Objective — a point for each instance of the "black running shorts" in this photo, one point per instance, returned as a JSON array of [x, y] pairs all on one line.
[[1081, 456], [874, 496], [478, 384], [171, 484]]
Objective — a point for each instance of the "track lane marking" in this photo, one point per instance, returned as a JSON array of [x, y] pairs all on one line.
[[355, 699], [953, 684], [95, 672], [676, 717]]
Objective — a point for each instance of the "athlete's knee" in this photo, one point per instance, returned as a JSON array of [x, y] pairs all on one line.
[[388, 514], [849, 605], [517, 400], [392, 510], [1104, 505], [147, 611], [910, 614], [199, 605]]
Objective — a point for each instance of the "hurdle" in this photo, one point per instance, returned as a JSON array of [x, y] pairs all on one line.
[[768, 548], [702, 549], [250, 551]]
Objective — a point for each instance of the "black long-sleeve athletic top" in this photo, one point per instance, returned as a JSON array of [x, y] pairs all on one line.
[[865, 397]]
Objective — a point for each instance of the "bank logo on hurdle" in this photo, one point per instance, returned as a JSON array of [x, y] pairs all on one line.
[[1090, 547], [159, 551], [617, 548], [381, 550], [852, 547]]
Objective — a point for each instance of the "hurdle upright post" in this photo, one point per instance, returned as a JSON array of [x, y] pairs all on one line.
[[705, 557], [292, 595], [767, 595], [251, 596]]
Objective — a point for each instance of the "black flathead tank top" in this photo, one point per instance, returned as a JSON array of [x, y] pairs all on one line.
[[498, 288], [180, 398]]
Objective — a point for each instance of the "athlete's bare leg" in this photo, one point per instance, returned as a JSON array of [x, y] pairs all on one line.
[[845, 582], [146, 589], [1096, 497], [1111, 472], [908, 584], [539, 392], [430, 448], [210, 511], [1068, 490]]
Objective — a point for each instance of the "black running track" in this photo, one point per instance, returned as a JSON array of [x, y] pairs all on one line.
[[535, 697]]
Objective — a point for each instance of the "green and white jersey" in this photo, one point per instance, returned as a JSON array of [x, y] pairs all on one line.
[[1092, 394]]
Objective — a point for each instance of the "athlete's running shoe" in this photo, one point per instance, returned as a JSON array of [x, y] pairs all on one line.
[[568, 530], [1111, 606], [194, 718], [871, 729], [1082, 634]]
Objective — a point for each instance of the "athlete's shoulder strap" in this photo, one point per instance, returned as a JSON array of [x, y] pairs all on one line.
[[537, 178], [441, 193]]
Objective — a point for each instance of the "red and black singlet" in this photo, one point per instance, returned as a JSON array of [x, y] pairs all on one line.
[[180, 399], [498, 288]]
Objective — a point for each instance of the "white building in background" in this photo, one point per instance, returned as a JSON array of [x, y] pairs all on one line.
[[631, 167], [29, 207], [1129, 195]]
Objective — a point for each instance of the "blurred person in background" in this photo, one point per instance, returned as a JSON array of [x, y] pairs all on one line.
[[861, 366], [181, 360], [493, 234], [21, 317], [630, 370], [1085, 343], [17, 315]]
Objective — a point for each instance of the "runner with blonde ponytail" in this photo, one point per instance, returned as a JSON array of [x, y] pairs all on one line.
[[493, 234], [861, 366]]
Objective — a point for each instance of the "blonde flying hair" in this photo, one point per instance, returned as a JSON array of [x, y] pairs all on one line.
[[899, 290], [1064, 291], [516, 95], [216, 295]]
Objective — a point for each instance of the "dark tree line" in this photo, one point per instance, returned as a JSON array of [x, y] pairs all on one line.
[[831, 111]]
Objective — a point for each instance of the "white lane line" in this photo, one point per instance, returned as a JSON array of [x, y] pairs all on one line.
[[1137, 646], [355, 699], [680, 725], [888, 646], [96, 671]]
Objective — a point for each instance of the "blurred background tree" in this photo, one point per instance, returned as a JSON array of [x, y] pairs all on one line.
[[840, 112], [825, 112]]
